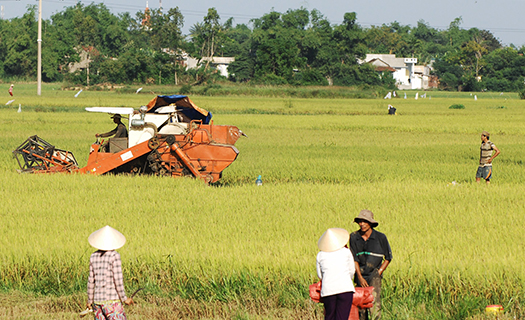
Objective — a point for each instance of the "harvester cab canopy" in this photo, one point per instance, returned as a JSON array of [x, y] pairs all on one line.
[[187, 109], [113, 110]]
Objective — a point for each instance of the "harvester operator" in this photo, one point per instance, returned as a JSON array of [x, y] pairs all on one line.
[[372, 255], [120, 131]]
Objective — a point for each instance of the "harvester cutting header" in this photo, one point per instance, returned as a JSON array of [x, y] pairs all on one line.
[[170, 136]]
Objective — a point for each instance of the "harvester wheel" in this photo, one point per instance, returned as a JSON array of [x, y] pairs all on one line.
[[153, 143]]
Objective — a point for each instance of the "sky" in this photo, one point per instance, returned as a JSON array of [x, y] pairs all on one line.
[[503, 18]]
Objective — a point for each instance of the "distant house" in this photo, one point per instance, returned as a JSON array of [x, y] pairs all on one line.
[[423, 79], [407, 74], [219, 63]]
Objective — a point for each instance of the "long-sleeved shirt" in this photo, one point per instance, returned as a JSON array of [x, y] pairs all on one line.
[[105, 277], [336, 270]]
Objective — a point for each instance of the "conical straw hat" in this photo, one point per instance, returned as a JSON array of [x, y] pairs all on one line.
[[107, 239], [333, 239]]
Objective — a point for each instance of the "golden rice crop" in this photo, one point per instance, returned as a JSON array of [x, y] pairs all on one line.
[[321, 161]]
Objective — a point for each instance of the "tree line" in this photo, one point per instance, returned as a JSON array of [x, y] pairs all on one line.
[[297, 47]]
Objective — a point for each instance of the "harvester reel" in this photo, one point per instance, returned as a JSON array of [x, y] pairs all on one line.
[[39, 155]]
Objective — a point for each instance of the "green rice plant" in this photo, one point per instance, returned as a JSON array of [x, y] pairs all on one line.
[[456, 247]]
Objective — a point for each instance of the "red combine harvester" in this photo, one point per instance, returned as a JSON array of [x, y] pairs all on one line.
[[170, 136]]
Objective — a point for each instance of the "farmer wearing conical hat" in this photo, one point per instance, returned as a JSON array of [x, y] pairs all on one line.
[[335, 268], [372, 255], [106, 284], [488, 152]]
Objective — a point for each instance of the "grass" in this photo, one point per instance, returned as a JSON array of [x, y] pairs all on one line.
[[238, 251]]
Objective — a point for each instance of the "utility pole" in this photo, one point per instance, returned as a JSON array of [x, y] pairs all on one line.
[[39, 40]]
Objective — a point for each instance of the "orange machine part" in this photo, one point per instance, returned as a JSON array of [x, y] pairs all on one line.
[[205, 152]]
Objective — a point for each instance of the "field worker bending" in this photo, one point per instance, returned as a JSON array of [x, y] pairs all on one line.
[[391, 110], [336, 268], [11, 90], [485, 158], [372, 255], [120, 131], [105, 287]]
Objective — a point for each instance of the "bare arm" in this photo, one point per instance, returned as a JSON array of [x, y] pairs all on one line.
[[107, 134], [497, 152], [383, 267], [362, 280]]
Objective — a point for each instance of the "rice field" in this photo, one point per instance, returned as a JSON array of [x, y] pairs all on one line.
[[238, 251]]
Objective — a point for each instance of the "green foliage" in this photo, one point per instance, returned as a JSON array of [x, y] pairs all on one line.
[[271, 79], [207, 36], [185, 89], [297, 47], [310, 77], [457, 106], [20, 56]]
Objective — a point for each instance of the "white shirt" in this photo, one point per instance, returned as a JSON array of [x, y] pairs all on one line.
[[336, 270]]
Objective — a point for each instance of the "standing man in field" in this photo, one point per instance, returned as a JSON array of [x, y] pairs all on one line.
[[486, 157], [11, 90], [372, 255]]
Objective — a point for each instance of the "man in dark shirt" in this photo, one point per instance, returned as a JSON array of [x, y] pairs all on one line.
[[372, 255], [120, 131]]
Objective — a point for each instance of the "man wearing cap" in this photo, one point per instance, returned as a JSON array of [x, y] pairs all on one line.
[[372, 255], [105, 284], [120, 131], [335, 267], [486, 157]]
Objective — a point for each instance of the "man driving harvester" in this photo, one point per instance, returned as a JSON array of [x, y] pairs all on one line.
[[120, 131]]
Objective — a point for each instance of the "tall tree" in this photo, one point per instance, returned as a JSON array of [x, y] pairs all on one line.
[[276, 47], [238, 44], [208, 35], [20, 36]]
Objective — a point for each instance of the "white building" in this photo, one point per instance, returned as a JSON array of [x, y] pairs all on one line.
[[407, 74], [219, 63]]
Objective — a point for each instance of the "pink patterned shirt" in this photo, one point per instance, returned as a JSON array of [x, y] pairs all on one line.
[[105, 277]]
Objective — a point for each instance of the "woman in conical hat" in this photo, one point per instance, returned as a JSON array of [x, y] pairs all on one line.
[[106, 284], [336, 268]]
